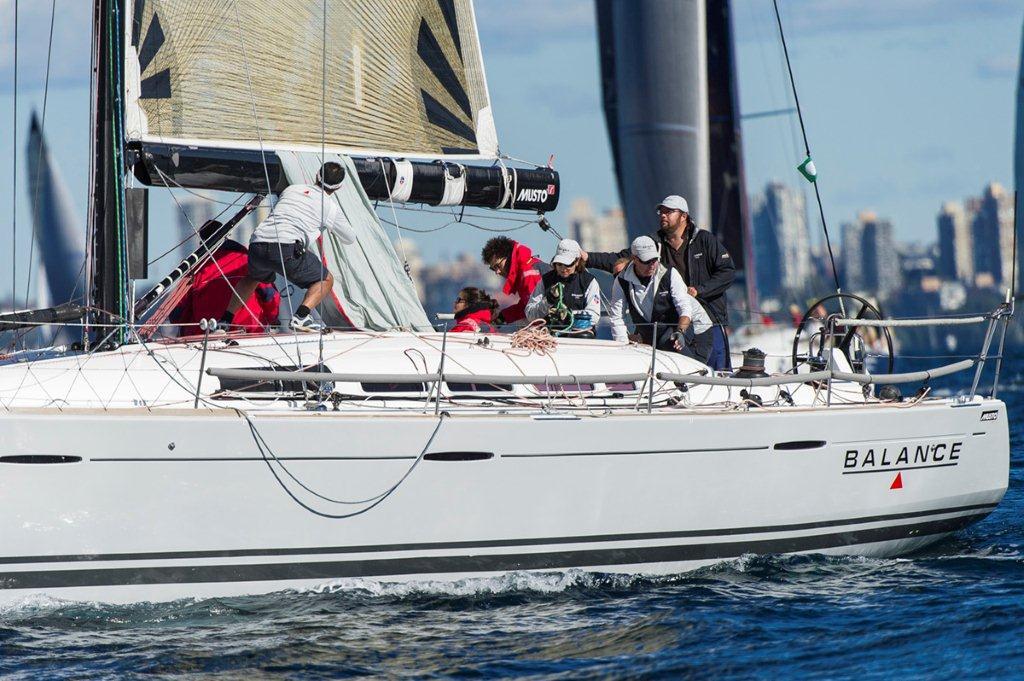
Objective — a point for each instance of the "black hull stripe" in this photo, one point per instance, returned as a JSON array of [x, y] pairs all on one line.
[[492, 543], [53, 579]]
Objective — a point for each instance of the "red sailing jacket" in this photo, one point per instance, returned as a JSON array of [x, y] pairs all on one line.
[[210, 294], [477, 321], [523, 276]]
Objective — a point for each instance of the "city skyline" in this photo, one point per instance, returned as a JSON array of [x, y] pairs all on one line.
[[898, 159]]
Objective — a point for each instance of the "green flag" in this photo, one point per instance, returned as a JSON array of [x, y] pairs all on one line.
[[808, 170]]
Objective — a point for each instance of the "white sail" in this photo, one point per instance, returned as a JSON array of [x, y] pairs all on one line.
[[403, 77]]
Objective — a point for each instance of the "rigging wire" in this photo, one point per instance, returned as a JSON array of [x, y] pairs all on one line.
[[39, 153], [323, 157], [14, 172], [807, 146]]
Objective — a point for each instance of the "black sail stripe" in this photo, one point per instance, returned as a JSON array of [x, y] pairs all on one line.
[[443, 118], [494, 543], [430, 52], [151, 44], [138, 10], [157, 86], [43, 579], [448, 10]]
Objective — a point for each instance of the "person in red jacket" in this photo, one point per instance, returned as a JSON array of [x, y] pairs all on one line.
[[211, 291], [520, 268], [474, 311]]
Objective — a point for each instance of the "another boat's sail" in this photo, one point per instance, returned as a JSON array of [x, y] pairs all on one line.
[[403, 77], [58, 234], [670, 104]]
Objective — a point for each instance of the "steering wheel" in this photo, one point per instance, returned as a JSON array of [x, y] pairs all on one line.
[[854, 339]]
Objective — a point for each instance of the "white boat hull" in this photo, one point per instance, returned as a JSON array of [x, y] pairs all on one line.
[[177, 503]]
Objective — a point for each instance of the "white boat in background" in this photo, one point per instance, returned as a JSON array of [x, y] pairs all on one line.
[[143, 469]]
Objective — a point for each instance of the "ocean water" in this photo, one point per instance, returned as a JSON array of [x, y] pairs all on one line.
[[953, 611]]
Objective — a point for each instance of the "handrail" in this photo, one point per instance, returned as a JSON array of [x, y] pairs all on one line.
[[744, 382], [911, 377], [318, 376], [951, 321], [486, 379], [542, 380], [493, 379]]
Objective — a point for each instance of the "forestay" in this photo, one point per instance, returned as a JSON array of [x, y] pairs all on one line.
[[371, 289], [403, 77]]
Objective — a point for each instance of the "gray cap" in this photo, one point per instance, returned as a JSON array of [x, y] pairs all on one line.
[[644, 248], [675, 202], [567, 253]]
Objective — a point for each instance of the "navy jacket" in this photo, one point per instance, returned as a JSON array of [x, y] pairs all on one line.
[[709, 269]]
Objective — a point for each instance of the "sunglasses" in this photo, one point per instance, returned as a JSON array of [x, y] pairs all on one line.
[[647, 263], [498, 265], [461, 300], [662, 210]]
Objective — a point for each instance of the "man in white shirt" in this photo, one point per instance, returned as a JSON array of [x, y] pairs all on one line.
[[653, 293], [286, 243]]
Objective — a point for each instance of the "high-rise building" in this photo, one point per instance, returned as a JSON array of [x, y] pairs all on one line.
[[992, 231], [851, 257], [598, 233], [956, 257], [782, 245], [1018, 153], [194, 211], [870, 261]]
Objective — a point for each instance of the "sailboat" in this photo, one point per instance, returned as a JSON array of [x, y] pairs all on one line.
[[141, 468]]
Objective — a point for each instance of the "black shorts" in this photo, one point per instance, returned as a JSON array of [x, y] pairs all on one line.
[[300, 266]]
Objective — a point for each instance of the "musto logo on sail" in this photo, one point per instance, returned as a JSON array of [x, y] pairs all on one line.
[[900, 457]]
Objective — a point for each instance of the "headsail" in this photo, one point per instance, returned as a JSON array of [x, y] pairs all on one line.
[[403, 77]]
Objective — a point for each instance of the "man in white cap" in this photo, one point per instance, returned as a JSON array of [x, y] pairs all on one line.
[[699, 257], [568, 296], [286, 243], [655, 294]]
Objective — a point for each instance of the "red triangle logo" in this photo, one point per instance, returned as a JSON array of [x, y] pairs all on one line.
[[898, 482]]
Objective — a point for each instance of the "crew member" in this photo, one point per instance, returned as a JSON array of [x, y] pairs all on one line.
[[653, 293], [287, 242], [212, 288], [702, 261], [568, 296], [474, 311], [519, 267]]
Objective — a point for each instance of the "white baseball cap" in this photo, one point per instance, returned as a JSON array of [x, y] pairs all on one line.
[[567, 253], [675, 202], [644, 248]]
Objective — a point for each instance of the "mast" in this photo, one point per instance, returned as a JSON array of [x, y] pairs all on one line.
[[106, 267]]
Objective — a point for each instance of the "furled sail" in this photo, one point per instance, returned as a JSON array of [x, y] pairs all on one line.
[[403, 77]]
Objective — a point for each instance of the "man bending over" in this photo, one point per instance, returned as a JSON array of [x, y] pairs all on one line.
[[286, 243]]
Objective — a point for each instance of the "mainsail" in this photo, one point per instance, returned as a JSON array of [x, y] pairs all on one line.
[[402, 77]]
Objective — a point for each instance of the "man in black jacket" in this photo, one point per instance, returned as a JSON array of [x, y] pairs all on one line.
[[699, 257]]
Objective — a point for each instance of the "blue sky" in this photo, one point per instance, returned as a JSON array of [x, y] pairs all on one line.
[[908, 103]]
